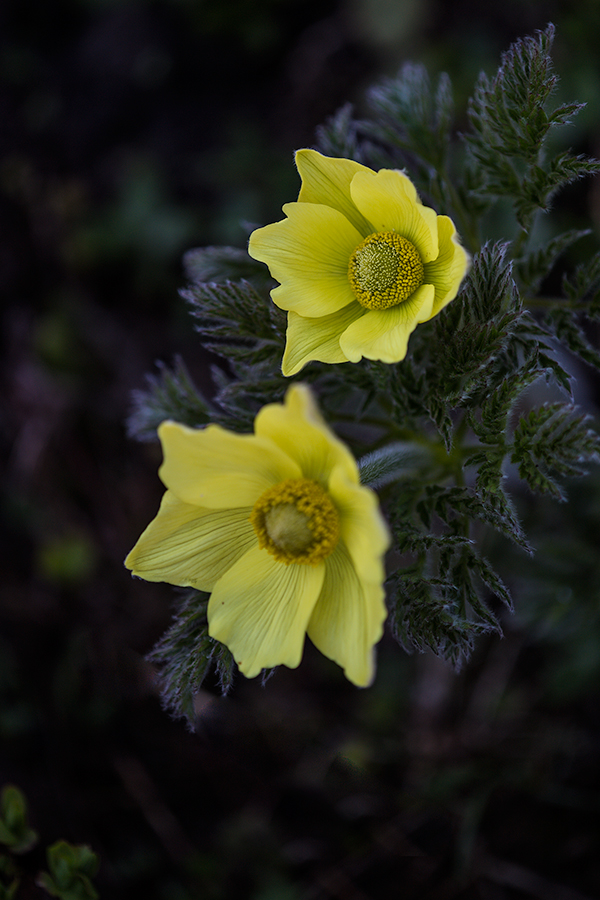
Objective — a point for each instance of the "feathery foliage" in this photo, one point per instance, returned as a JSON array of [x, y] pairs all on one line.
[[169, 395], [185, 654]]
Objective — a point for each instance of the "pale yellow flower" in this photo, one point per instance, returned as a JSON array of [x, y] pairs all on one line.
[[277, 527], [360, 262]]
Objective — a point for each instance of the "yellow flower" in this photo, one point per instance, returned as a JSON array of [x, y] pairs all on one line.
[[277, 527], [360, 262]]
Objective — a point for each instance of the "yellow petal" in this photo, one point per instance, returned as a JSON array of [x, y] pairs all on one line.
[[317, 339], [448, 270], [383, 334], [190, 546], [308, 253], [260, 609], [348, 619], [362, 527], [298, 429], [215, 468], [326, 180], [387, 200]]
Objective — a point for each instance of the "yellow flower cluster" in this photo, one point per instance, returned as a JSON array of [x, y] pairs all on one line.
[[276, 525]]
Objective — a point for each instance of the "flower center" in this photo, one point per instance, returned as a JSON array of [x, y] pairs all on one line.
[[296, 521], [385, 270]]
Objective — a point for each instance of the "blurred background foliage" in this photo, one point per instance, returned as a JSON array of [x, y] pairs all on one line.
[[130, 131]]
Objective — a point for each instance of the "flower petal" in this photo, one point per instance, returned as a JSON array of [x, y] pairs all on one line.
[[215, 468], [348, 619], [297, 427], [383, 334], [317, 339], [448, 270], [326, 180], [388, 200], [362, 527], [308, 253], [260, 609], [190, 546]]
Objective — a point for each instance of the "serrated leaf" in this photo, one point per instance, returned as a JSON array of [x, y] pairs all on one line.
[[509, 126], [540, 185], [412, 540], [489, 288], [338, 137], [185, 654], [553, 438], [536, 265], [496, 407], [563, 115], [483, 569], [569, 332], [170, 395], [221, 264], [508, 112], [457, 570], [494, 509], [583, 282], [237, 322], [241, 398], [412, 120], [422, 618]]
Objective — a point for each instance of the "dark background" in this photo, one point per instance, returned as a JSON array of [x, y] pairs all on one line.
[[130, 132]]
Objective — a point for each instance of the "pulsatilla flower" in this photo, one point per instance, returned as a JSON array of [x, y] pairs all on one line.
[[360, 263], [277, 527]]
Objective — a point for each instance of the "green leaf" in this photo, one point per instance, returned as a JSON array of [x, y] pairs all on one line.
[[510, 123], [185, 655], [493, 508], [14, 827], [581, 284], [507, 114], [238, 322], [486, 573], [410, 119], [572, 336], [422, 616], [338, 137], [540, 185], [221, 264], [490, 289], [553, 438], [457, 569], [411, 540], [71, 870], [240, 398], [473, 335], [536, 265], [496, 408], [564, 115], [170, 395]]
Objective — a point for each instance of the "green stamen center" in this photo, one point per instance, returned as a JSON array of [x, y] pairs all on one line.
[[296, 521], [385, 270]]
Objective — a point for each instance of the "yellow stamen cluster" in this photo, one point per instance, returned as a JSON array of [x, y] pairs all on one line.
[[296, 521], [384, 270]]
